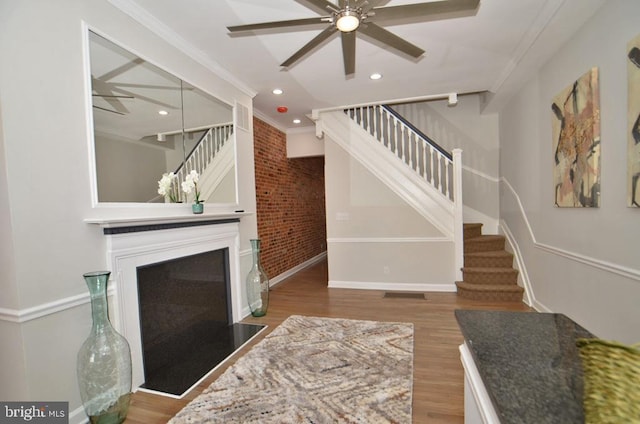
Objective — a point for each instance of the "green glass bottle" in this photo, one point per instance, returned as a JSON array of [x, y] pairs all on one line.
[[104, 361], [257, 284]]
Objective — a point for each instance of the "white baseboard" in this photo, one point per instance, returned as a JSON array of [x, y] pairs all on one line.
[[279, 278], [390, 286]]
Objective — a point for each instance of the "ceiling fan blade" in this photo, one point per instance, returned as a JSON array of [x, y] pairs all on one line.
[[115, 96], [108, 110], [278, 24], [434, 10], [121, 69], [316, 41], [100, 86], [380, 34], [349, 52]]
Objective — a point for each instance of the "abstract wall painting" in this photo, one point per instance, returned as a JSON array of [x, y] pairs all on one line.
[[576, 143], [633, 119]]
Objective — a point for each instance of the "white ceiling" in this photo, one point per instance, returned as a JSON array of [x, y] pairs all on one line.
[[493, 50]]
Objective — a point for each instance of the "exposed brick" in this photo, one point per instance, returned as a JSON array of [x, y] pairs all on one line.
[[290, 202]]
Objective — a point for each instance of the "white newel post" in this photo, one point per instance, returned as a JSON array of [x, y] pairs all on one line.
[[458, 236]]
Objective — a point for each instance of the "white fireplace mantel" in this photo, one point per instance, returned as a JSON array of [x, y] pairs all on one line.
[[134, 242], [134, 220]]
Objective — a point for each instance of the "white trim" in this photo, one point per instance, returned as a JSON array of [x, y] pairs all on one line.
[[474, 386], [315, 113], [621, 270], [520, 265], [34, 312], [389, 240], [280, 278], [390, 286], [480, 174]]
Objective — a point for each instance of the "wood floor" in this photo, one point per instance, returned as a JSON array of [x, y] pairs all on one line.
[[438, 375]]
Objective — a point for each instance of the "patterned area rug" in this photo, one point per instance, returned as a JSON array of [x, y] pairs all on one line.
[[315, 370]]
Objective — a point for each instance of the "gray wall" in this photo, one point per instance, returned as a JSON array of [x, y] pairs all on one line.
[[46, 184], [581, 262]]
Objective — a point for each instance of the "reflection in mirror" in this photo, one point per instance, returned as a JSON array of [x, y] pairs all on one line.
[[147, 123]]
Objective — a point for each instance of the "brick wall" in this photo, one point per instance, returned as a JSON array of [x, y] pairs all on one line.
[[290, 202]]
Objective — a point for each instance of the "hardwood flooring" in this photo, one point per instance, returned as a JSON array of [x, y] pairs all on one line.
[[438, 376]]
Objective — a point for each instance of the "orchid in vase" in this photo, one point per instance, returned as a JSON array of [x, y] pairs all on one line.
[[165, 187], [190, 184]]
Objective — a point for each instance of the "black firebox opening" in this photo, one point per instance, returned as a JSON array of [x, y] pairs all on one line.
[[186, 320]]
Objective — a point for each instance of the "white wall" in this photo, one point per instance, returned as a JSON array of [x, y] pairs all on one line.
[[580, 262], [374, 239], [46, 183], [126, 171], [477, 135], [303, 143]]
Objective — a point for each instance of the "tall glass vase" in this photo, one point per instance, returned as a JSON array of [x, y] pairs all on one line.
[[104, 361], [257, 284]]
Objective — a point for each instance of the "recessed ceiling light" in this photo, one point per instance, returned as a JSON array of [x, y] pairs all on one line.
[[296, 121], [277, 91], [375, 76], [163, 112]]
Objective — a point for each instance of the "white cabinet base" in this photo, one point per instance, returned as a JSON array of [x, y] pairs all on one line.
[[478, 408]]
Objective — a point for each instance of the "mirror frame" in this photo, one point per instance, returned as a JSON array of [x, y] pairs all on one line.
[[96, 204]]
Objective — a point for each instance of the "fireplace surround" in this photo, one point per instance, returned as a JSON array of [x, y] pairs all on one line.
[[131, 247]]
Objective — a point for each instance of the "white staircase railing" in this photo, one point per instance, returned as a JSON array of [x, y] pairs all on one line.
[[206, 150], [202, 155], [438, 169], [415, 149]]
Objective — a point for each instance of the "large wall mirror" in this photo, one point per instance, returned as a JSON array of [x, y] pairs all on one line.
[[147, 122]]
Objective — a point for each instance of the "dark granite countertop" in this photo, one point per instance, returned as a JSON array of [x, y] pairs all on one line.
[[529, 364]]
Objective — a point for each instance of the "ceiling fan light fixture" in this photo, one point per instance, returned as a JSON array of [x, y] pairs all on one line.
[[347, 20]]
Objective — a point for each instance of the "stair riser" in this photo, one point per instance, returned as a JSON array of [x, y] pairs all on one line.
[[473, 246], [490, 278], [491, 262], [490, 296]]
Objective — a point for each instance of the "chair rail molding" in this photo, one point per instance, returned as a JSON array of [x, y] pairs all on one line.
[[614, 268]]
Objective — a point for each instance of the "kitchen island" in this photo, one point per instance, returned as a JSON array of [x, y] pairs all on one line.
[[521, 367]]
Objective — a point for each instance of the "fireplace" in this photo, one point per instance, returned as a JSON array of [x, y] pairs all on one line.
[[185, 322], [209, 247]]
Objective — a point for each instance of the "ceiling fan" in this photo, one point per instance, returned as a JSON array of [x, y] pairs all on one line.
[[349, 17]]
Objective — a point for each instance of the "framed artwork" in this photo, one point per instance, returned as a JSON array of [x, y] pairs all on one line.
[[576, 143], [633, 115]]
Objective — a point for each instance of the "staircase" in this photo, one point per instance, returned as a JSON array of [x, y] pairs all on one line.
[[488, 272]]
